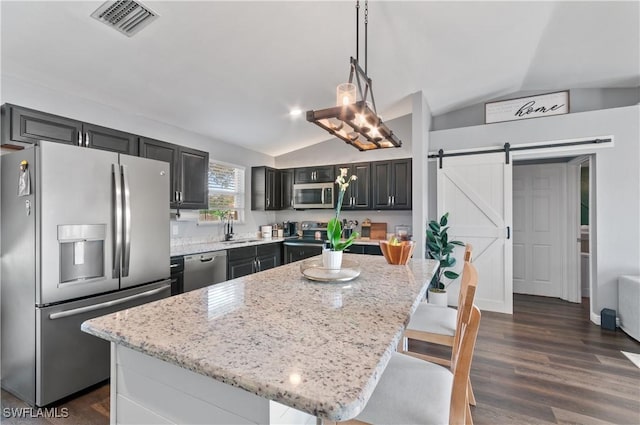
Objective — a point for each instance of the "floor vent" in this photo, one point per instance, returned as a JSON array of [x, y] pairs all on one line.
[[126, 16]]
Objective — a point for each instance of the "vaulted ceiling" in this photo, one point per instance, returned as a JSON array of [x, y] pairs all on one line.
[[233, 70]]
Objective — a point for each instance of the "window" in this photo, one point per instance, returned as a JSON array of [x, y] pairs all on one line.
[[226, 192]]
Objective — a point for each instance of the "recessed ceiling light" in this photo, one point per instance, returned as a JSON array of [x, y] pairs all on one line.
[[295, 112]]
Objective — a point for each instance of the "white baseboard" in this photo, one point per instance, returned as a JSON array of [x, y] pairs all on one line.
[[595, 318]]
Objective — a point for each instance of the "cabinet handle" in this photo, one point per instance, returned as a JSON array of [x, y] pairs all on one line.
[[268, 202], [259, 264], [79, 138], [86, 139], [389, 200], [393, 200]]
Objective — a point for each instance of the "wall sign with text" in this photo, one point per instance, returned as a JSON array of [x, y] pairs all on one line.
[[527, 107]]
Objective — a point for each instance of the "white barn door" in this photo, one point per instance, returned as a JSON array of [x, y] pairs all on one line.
[[476, 191]]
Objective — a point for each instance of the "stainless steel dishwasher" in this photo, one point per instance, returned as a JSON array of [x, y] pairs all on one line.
[[204, 269]]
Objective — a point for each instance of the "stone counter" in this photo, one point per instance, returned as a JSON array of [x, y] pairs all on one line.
[[319, 348]]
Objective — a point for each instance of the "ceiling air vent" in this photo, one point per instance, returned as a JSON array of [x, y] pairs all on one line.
[[126, 16]]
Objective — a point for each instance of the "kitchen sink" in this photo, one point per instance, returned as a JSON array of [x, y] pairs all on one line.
[[241, 241]]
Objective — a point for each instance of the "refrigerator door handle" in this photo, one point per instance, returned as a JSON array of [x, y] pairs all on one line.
[[117, 219], [126, 201], [76, 311]]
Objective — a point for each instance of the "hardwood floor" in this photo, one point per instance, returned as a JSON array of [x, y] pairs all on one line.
[[546, 364]]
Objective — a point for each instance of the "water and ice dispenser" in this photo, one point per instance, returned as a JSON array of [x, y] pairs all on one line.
[[81, 252]]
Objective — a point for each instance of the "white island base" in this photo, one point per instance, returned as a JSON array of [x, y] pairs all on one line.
[[146, 390]]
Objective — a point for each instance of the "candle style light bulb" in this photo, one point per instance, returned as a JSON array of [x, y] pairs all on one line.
[[345, 94]]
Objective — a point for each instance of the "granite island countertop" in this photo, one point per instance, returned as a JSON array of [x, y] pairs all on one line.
[[317, 347]]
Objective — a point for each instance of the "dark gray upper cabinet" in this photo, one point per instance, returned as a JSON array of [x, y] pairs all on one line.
[[286, 189], [189, 171], [265, 189], [193, 169], [29, 126], [358, 194], [319, 174], [110, 140], [392, 184]]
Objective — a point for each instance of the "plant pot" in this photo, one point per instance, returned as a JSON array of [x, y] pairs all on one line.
[[331, 260], [438, 297]]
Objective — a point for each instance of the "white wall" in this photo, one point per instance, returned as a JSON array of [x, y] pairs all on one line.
[[617, 180], [73, 105], [581, 100]]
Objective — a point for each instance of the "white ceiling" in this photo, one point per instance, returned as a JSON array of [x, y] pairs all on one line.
[[232, 70]]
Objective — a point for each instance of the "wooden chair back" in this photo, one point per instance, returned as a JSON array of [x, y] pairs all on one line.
[[464, 279], [465, 301], [468, 250], [459, 412]]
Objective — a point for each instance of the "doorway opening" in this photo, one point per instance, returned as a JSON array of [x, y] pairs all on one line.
[[553, 222]]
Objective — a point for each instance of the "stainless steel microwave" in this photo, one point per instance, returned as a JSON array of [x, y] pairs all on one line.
[[313, 195]]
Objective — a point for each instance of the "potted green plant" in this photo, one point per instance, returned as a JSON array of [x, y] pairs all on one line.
[[440, 248], [332, 257]]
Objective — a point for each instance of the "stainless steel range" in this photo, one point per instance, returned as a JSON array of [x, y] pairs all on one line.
[[84, 233], [314, 235]]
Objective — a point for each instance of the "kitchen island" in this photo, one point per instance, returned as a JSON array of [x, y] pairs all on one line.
[[271, 347]]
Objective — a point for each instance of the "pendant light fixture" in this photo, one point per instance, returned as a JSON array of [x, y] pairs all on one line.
[[356, 121]]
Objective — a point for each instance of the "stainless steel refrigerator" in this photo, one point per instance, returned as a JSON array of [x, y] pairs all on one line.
[[84, 233]]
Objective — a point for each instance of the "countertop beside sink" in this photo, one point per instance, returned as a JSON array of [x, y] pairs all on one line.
[[196, 248]]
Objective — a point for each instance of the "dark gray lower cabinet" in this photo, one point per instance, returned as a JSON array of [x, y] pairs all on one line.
[[252, 259], [294, 253], [364, 249]]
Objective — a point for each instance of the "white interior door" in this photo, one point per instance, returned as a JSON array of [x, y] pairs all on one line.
[[539, 214], [476, 191]]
